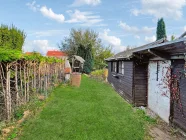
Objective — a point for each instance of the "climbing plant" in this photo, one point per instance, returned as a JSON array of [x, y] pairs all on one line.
[[23, 75]]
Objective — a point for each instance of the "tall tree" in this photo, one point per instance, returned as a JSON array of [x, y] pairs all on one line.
[[161, 29], [82, 43], [11, 37], [86, 43]]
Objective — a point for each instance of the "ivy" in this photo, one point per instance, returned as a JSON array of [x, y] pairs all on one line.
[[8, 55]]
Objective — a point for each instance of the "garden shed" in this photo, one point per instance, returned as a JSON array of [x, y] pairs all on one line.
[[128, 74], [167, 80]]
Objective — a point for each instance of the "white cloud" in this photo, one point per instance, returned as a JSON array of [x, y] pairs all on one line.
[[184, 28], [112, 40], [137, 36], [50, 14], [161, 8], [76, 16], [86, 2], [150, 39], [33, 6], [135, 30], [49, 33], [41, 46], [85, 18]]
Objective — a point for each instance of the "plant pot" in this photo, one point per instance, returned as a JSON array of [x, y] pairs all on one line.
[[76, 79], [67, 70]]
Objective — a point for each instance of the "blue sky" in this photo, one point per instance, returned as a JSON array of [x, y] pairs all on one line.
[[119, 23]]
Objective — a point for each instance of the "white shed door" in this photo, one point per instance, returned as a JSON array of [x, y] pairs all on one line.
[[158, 88]]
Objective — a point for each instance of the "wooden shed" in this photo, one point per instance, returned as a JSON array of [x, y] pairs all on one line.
[[167, 80], [127, 72]]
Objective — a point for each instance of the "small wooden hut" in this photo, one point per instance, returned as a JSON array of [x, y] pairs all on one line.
[[77, 63]]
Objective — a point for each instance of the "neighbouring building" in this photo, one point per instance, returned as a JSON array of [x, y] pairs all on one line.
[[64, 56], [57, 54]]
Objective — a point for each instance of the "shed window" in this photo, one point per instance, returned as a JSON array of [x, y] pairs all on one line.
[[114, 66], [121, 67]]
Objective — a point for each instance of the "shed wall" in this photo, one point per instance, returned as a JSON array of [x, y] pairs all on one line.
[[158, 88], [179, 115], [123, 84]]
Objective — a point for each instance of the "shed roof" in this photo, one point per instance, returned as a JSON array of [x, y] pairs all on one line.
[[127, 54]]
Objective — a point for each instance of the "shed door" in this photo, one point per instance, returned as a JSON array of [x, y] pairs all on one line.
[[179, 106], [158, 88]]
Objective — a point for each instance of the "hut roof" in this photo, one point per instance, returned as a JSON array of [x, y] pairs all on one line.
[[80, 59], [127, 54]]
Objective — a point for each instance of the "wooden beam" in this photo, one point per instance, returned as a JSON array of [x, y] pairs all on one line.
[[159, 54]]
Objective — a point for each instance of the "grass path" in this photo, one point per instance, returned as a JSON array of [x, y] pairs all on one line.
[[92, 112]]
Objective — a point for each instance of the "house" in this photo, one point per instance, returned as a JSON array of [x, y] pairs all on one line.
[[57, 54], [64, 56], [154, 75], [128, 75]]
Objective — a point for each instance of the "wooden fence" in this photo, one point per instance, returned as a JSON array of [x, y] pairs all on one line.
[[20, 79]]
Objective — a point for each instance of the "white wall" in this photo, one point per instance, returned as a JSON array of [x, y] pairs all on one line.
[[159, 91]]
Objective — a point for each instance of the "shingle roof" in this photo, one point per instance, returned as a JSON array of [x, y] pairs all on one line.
[[57, 54], [127, 54]]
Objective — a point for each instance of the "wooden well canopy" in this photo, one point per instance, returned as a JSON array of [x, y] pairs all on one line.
[[77, 63]]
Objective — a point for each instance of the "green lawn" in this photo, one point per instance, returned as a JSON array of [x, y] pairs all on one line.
[[92, 112]]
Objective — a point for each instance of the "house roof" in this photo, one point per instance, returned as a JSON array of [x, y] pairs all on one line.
[[56, 54], [127, 54]]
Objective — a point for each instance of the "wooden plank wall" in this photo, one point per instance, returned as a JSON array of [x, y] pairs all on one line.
[[178, 117], [123, 84], [140, 84]]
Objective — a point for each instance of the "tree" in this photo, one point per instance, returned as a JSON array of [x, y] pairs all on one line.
[[11, 37], [85, 43], [173, 37], [161, 31], [86, 53], [101, 54]]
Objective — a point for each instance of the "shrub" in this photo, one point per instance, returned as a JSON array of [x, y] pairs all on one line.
[[99, 74]]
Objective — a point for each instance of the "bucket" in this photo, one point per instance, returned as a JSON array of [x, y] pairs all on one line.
[[75, 79]]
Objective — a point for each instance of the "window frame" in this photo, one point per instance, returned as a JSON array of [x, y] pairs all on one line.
[[114, 67], [121, 67]]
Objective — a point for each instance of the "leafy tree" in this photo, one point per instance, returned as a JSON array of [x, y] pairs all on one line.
[[161, 31], [85, 43], [101, 54], [173, 37], [11, 37]]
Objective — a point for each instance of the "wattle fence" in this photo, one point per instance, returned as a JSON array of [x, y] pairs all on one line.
[[24, 76]]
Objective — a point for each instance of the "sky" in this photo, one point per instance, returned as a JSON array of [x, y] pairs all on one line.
[[119, 23]]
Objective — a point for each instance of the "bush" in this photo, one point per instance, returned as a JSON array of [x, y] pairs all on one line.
[[99, 74]]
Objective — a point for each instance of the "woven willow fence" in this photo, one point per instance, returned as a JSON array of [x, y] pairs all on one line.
[[22, 76]]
